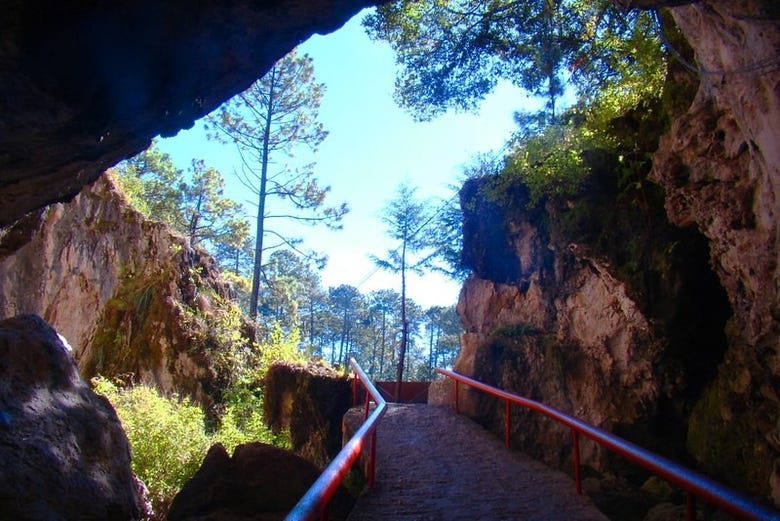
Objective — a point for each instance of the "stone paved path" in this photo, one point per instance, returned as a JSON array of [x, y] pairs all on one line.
[[434, 465]]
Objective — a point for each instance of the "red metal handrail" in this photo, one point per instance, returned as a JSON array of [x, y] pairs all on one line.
[[314, 503], [694, 484]]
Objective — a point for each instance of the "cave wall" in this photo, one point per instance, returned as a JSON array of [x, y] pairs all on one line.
[[86, 84], [720, 168], [599, 307]]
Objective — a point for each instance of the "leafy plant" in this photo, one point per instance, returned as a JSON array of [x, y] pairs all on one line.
[[167, 437], [282, 347], [550, 163]]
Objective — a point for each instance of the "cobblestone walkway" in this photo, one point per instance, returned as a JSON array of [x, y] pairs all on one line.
[[434, 465]]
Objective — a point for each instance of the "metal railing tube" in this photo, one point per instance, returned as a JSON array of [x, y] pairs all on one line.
[[692, 482], [313, 504]]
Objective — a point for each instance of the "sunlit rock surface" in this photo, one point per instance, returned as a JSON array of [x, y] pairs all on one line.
[[565, 333], [130, 297], [596, 305], [63, 451]]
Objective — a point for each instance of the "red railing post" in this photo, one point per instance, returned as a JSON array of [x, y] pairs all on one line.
[[354, 389], [372, 461], [457, 408], [368, 406], [508, 416], [575, 447]]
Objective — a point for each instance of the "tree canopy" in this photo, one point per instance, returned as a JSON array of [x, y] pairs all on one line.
[[193, 205], [452, 53]]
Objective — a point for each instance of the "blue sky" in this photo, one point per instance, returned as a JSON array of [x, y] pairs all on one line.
[[371, 148]]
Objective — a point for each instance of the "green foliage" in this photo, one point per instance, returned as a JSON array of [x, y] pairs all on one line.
[[241, 285], [153, 185], [550, 164], [281, 347], [516, 330], [196, 208], [216, 329], [167, 437], [406, 219], [452, 53], [242, 419], [209, 216], [274, 117], [288, 280]]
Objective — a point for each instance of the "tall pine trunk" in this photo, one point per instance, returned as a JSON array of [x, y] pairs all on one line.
[[399, 374], [260, 228]]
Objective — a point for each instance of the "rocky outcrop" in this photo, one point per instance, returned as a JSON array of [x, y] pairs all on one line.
[[260, 482], [126, 293], [64, 453], [682, 345], [720, 167], [86, 85], [309, 401], [596, 305]]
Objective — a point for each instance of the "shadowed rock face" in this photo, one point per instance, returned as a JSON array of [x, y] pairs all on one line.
[[87, 84], [719, 167], [64, 453], [309, 401]]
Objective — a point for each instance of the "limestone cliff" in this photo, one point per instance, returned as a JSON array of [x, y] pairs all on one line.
[[602, 309], [655, 315], [131, 297]]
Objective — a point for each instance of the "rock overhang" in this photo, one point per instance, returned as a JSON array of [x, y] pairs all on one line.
[[87, 84]]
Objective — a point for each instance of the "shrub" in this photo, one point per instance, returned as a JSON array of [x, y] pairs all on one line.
[[167, 437]]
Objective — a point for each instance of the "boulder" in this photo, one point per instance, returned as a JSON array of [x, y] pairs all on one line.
[[260, 482], [63, 451], [309, 401]]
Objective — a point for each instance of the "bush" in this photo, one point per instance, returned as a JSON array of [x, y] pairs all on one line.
[[242, 420], [167, 437]]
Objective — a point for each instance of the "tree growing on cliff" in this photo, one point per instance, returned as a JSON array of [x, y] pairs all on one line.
[[406, 219], [195, 207], [209, 216], [153, 184], [274, 116]]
